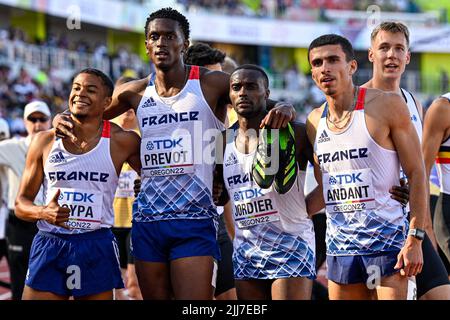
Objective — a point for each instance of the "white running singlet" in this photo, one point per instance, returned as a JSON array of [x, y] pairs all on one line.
[[177, 143], [414, 112], [274, 238], [357, 174], [443, 161], [416, 121], [87, 182]]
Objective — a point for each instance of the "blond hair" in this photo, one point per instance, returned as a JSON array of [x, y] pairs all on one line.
[[393, 27]]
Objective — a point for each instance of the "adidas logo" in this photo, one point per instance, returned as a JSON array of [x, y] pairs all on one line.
[[414, 118], [149, 103], [323, 137], [57, 158], [232, 160]]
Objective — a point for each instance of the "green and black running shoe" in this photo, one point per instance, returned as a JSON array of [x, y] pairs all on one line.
[[287, 172], [263, 171]]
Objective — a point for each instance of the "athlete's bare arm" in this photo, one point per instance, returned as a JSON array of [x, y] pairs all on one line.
[[394, 115], [314, 200], [32, 178], [435, 130], [126, 96], [304, 148], [125, 147]]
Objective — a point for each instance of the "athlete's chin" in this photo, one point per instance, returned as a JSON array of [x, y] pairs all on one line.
[[245, 112], [80, 115], [329, 91], [163, 65]]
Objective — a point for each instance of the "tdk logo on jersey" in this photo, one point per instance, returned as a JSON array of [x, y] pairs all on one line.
[[164, 144], [345, 178], [57, 158], [76, 197], [232, 160], [247, 194], [169, 118], [149, 103], [323, 137], [343, 155]]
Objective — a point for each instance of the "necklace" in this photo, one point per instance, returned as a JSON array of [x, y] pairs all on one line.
[[84, 144], [173, 99], [347, 116]]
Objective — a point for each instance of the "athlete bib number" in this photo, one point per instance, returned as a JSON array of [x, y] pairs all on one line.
[[251, 206], [348, 191], [85, 208], [165, 156], [126, 183]]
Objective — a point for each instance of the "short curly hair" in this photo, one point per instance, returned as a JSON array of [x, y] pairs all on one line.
[[201, 54], [172, 14]]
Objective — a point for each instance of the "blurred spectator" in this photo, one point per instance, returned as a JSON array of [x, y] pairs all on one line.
[[24, 87]]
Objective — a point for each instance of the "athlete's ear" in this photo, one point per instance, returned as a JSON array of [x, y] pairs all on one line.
[[408, 56], [370, 55], [185, 46], [108, 101], [353, 67], [267, 94], [146, 48]]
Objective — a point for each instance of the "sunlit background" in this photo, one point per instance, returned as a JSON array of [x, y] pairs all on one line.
[[43, 42]]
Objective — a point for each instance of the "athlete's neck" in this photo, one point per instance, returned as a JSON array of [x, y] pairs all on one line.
[[247, 137], [251, 122], [86, 129], [385, 84], [342, 102], [170, 82]]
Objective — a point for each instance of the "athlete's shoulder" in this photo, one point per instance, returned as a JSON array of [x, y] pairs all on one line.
[[42, 141], [439, 110], [121, 135], [380, 100], [44, 137], [131, 88], [213, 77], [315, 115], [441, 103]]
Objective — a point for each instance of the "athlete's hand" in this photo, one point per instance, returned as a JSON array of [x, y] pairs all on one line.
[[220, 194], [54, 214], [279, 116], [137, 187], [400, 193], [63, 127], [410, 258]]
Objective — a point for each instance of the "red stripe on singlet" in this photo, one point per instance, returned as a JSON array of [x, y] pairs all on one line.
[[106, 133], [361, 97], [195, 73]]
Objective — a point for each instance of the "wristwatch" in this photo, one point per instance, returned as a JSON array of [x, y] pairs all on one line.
[[417, 233]]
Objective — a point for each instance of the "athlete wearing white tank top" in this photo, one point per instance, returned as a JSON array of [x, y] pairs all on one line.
[[436, 148], [355, 133], [75, 224], [273, 248], [187, 273], [390, 54]]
